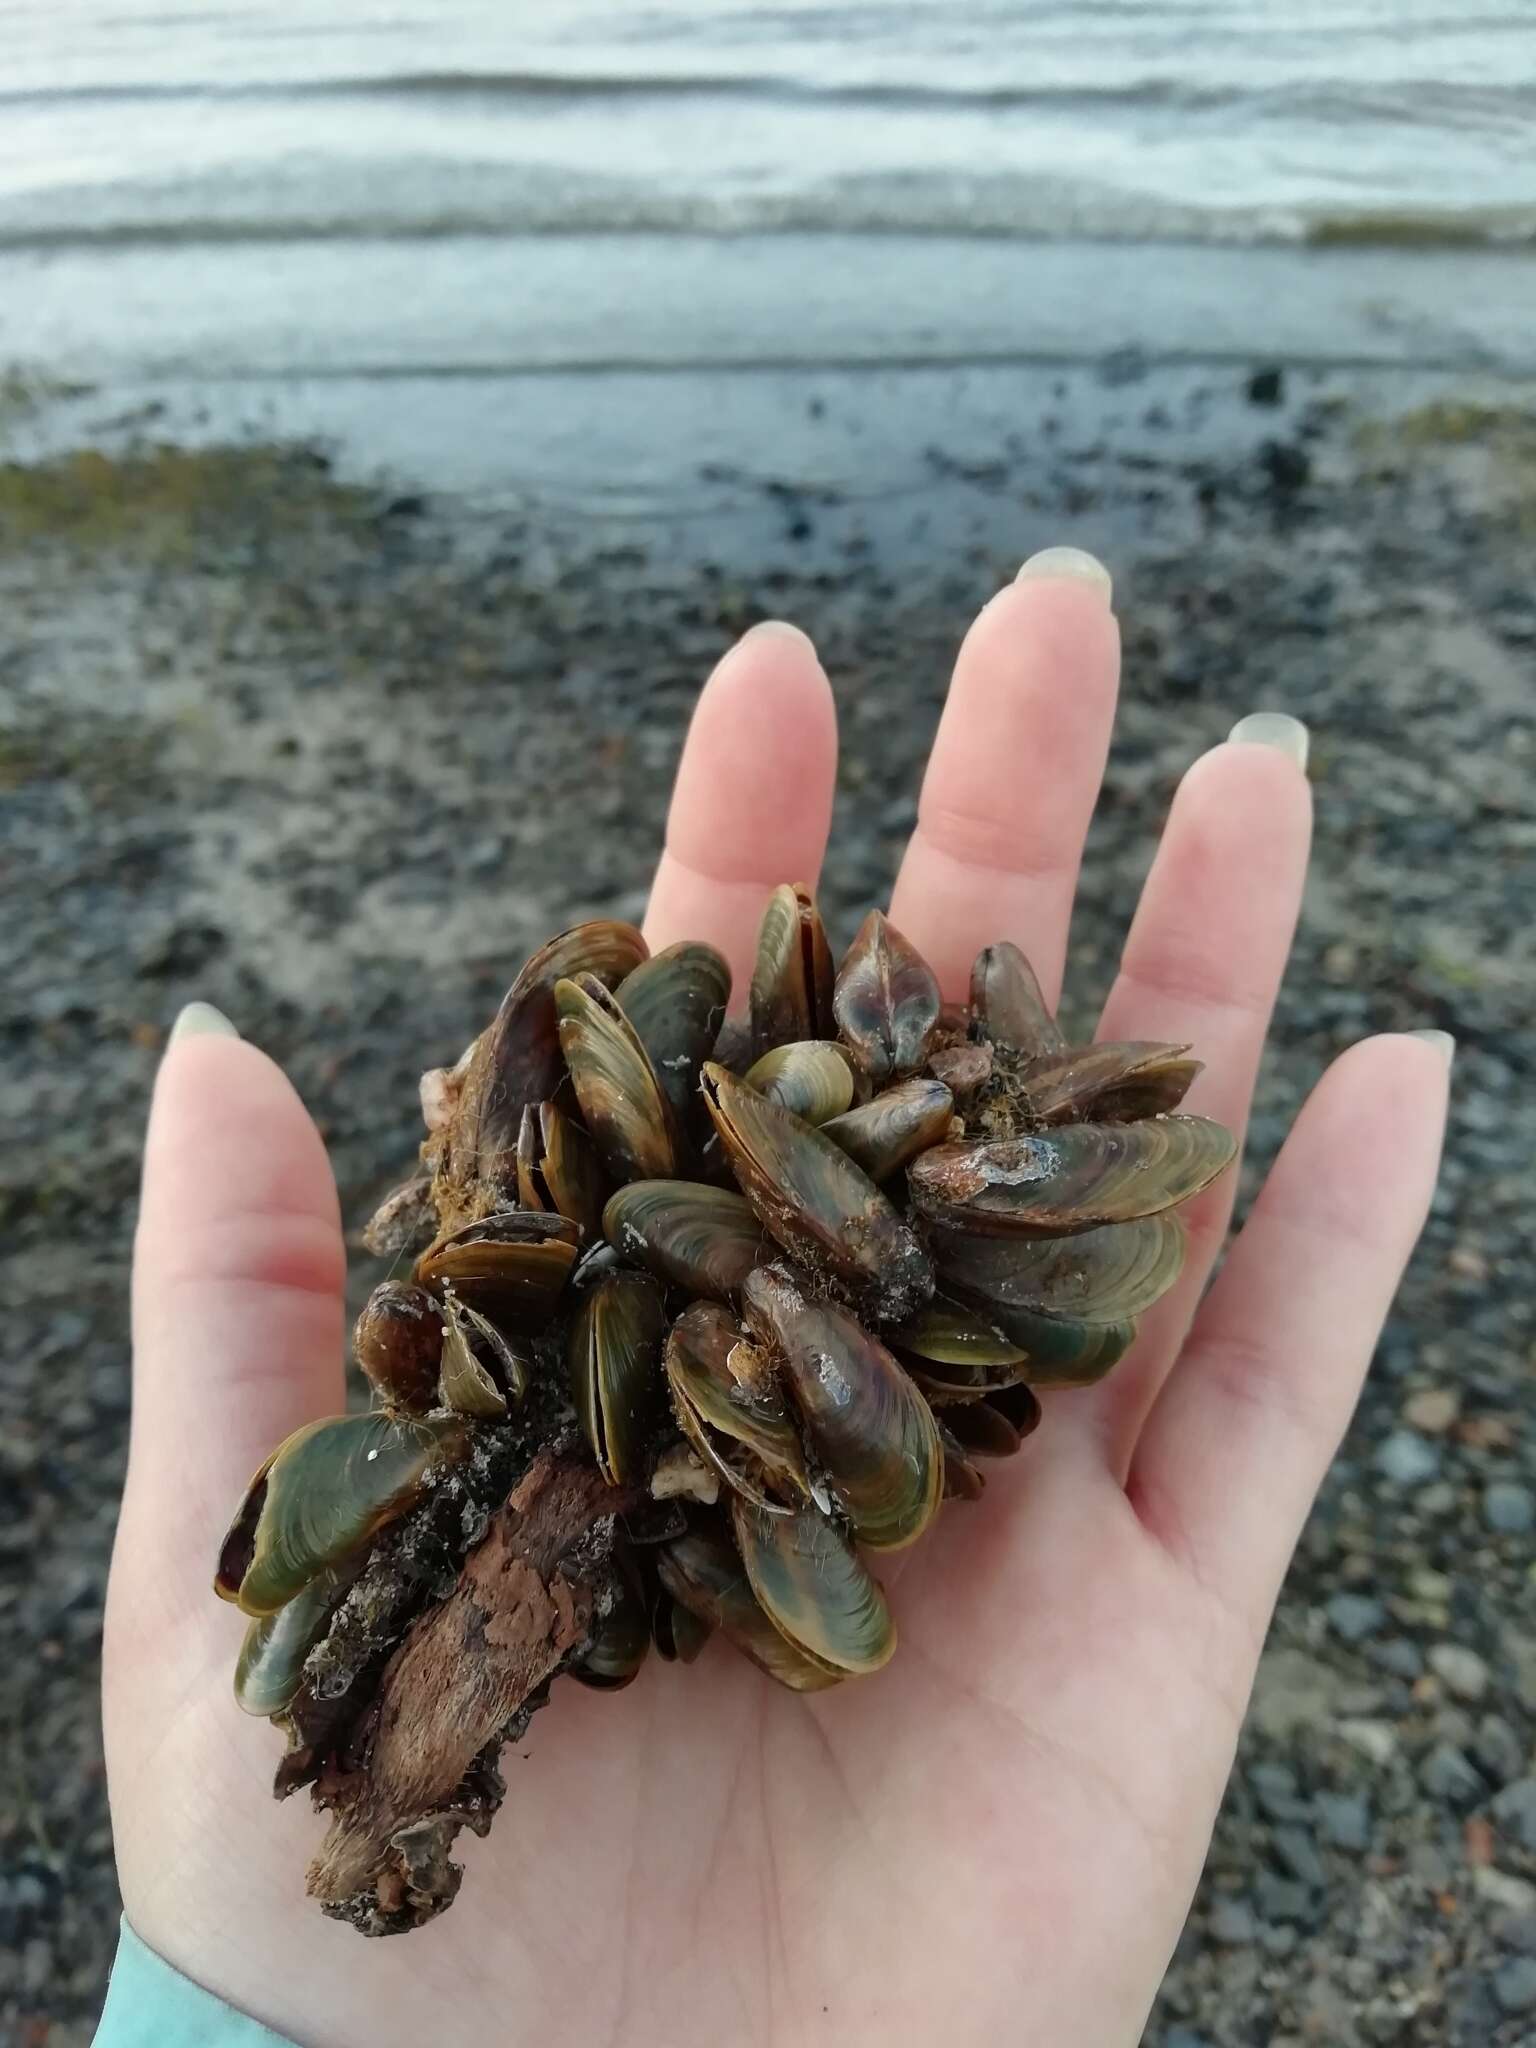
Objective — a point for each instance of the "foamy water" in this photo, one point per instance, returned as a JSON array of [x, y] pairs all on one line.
[[1365, 120]]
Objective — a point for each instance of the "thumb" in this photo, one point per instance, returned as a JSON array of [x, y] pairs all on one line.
[[238, 1302]]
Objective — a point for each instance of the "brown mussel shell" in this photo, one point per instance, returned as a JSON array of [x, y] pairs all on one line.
[[726, 1403], [557, 1168], [676, 1002], [1108, 1275], [791, 994], [403, 1221], [704, 1238], [882, 1135], [623, 1105], [814, 1587], [886, 1001], [517, 1059], [620, 1638], [1108, 1083], [1007, 1007], [398, 1341], [679, 1634], [810, 1196], [512, 1265], [612, 1354], [321, 1495], [868, 1427], [1077, 1177], [963, 1477], [704, 1576]]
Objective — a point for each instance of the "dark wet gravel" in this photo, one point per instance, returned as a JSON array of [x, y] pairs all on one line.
[[336, 769]]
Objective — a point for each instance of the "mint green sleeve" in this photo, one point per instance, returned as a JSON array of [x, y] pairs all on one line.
[[150, 2005]]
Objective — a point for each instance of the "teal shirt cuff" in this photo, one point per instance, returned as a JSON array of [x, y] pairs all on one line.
[[150, 2005]]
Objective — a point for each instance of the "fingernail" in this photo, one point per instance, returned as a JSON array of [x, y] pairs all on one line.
[[1068, 565], [1275, 729], [1442, 1041], [775, 629], [201, 1020]]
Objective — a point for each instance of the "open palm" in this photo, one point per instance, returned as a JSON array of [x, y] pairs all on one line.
[[997, 1838]]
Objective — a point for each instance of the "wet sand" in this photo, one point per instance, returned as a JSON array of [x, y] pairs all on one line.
[[333, 753]]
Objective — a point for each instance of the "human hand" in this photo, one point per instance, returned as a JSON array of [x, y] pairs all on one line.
[[997, 1838]]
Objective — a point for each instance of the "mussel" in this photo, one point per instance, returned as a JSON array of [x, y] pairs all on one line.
[[810, 1196], [322, 1494]]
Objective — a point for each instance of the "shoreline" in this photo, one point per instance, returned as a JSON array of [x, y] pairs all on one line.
[[330, 741]]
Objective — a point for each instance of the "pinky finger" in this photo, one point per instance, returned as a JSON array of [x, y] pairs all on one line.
[[1238, 1441]]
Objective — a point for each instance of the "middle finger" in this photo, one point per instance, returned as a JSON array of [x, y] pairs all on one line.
[[1014, 774]]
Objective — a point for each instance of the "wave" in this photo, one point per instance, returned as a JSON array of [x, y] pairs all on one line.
[[433, 201], [1408, 99]]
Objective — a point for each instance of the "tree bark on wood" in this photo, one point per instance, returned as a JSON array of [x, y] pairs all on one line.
[[463, 1673]]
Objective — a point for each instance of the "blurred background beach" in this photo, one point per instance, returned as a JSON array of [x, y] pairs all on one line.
[[400, 408]]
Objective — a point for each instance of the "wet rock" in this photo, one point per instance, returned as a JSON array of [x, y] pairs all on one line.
[[1446, 1774], [1432, 1411], [1514, 1809], [1509, 1509], [1232, 1922], [1461, 1671], [1345, 1820], [1498, 1750], [1407, 1460], [1296, 1852], [1354, 1616], [1514, 1986]]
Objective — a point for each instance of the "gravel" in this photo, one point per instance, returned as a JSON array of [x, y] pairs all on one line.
[[1509, 1509], [335, 768]]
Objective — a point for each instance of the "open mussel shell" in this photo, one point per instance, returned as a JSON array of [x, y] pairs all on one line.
[[1007, 1007], [322, 1494], [398, 1340], [703, 1238], [791, 994], [704, 1577], [728, 1403], [620, 1638], [676, 1002], [469, 1385], [612, 1353], [809, 1195], [882, 1135], [517, 1059], [867, 1426], [886, 1001], [622, 1103], [1107, 1275], [1075, 1178], [1109, 1083], [814, 1587], [270, 1667], [512, 1265], [808, 1077], [557, 1167]]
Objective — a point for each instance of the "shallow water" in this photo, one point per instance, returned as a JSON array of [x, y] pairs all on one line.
[[1157, 119], [356, 207]]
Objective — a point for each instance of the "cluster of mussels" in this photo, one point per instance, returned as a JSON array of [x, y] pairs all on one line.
[[796, 1274]]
